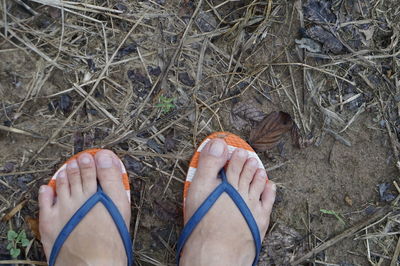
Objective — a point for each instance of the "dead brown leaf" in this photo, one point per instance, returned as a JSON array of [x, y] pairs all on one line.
[[267, 134], [34, 226], [244, 112]]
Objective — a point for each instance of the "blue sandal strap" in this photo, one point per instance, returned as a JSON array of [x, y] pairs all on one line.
[[248, 216], [198, 216], [206, 206], [99, 196]]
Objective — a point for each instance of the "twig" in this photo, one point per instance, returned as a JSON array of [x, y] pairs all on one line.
[[338, 137], [5, 18], [26, 172], [394, 143], [347, 233], [20, 131], [58, 130], [279, 165], [161, 79], [317, 69], [396, 254], [34, 48], [27, 7], [23, 262], [95, 104]]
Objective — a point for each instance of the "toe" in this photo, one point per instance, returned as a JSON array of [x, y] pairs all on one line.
[[258, 184], [46, 199], [74, 178], [88, 173], [62, 186], [268, 196], [46, 220], [249, 169], [212, 158], [110, 178], [235, 166]]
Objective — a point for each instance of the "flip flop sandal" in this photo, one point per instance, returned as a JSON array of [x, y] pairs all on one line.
[[99, 196], [233, 142]]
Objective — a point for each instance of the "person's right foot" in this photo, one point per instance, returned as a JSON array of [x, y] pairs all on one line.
[[223, 236], [95, 240]]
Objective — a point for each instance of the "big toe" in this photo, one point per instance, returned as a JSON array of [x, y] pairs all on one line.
[[212, 158], [109, 174]]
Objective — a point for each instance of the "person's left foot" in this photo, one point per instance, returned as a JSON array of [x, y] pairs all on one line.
[[223, 237], [95, 240]]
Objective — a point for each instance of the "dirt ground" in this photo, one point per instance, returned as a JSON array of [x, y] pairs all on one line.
[[138, 59]]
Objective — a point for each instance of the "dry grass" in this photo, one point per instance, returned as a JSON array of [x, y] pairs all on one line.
[[210, 54]]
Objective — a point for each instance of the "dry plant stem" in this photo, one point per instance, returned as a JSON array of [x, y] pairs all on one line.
[[394, 143], [26, 172], [199, 74], [96, 104], [161, 79], [57, 131], [161, 171], [27, 7], [5, 18], [347, 233], [133, 133], [78, 6], [173, 170], [14, 211], [138, 215], [396, 186], [396, 254], [297, 104], [317, 69], [33, 48], [23, 262], [22, 132], [214, 112], [152, 154], [238, 41], [244, 90]]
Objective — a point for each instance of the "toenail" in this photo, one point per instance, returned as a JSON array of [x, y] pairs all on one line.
[[105, 161], [217, 148], [42, 189], [262, 173], [273, 187], [62, 174], [84, 159], [117, 163], [242, 153], [73, 164], [253, 162]]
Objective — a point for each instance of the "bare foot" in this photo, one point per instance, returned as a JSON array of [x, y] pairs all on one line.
[[95, 240], [223, 236]]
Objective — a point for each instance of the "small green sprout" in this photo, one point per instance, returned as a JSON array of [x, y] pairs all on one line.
[[166, 104], [337, 215], [15, 241]]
